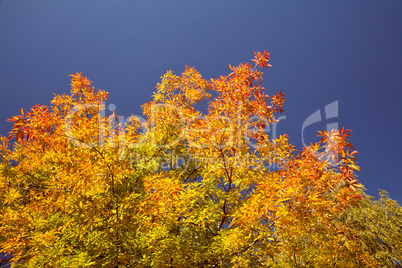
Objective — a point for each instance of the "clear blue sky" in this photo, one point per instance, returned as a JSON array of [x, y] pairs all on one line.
[[321, 52]]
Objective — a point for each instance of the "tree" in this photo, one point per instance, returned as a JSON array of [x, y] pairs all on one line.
[[378, 226], [179, 188]]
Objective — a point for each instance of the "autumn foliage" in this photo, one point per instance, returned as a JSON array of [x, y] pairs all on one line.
[[177, 188]]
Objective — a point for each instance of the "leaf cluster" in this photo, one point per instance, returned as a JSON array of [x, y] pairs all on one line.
[[180, 188]]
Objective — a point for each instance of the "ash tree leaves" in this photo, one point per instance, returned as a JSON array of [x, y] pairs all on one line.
[[183, 188]]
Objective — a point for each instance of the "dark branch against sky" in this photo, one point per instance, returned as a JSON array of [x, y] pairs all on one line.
[[321, 52]]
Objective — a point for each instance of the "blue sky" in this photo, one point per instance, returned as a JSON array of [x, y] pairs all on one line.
[[321, 52]]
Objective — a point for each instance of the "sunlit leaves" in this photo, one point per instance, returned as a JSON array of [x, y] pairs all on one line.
[[261, 59], [180, 187]]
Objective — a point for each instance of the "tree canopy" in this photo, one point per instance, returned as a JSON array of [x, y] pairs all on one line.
[[182, 188]]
